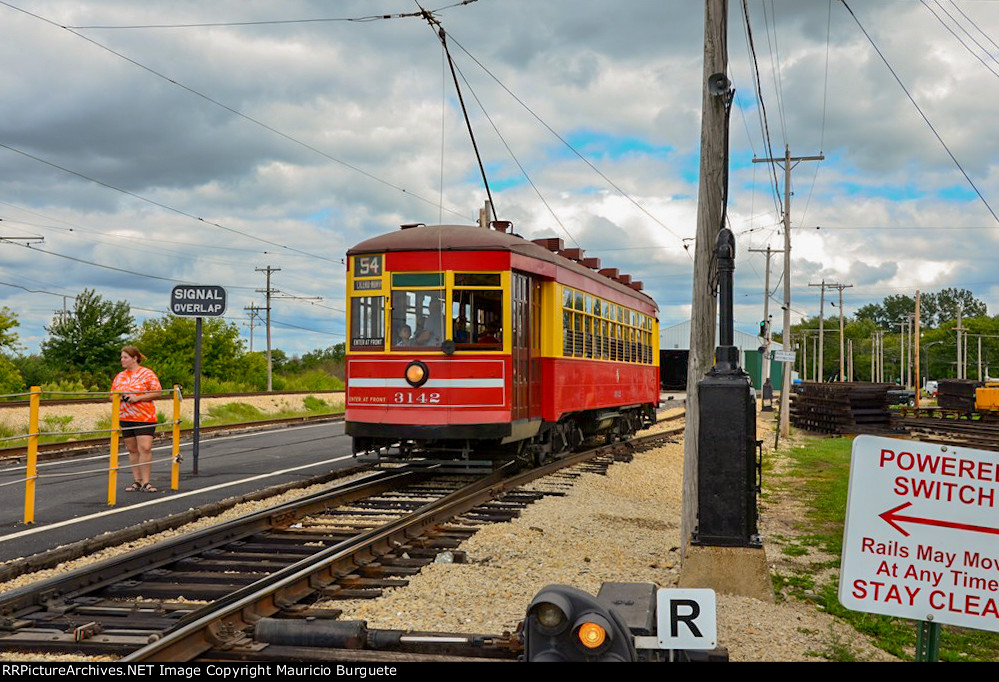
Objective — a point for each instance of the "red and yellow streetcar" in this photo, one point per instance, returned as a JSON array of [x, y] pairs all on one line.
[[466, 341]]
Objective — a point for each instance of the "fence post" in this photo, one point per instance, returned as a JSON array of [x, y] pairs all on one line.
[[34, 400], [113, 469], [175, 467]]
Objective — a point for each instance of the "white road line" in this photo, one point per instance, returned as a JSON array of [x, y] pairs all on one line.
[[177, 496]]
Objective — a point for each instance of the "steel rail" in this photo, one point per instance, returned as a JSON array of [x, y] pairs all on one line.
[[223, 623], [95, 576]]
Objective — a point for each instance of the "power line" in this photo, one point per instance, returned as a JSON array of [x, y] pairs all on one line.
[[160, 204], [273, 22], [222, 106], [566, 143], [925, 118]]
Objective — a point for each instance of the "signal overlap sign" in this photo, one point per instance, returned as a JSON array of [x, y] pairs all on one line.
[[198, 300], [922, 533]]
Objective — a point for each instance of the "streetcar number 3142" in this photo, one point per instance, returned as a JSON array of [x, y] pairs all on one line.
[[410, 397]]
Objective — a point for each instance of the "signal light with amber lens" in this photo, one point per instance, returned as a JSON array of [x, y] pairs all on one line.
[[596, 634], [591, 635], [417, 373]]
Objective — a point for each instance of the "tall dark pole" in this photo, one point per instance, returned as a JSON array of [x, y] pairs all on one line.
[[197, 393], [709, 218]]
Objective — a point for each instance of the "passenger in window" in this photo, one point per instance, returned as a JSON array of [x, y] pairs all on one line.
[[425, 337], [491, 335], [405, 337], [460, 330]]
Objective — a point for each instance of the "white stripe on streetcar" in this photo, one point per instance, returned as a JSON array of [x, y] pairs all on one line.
[[431, 383]]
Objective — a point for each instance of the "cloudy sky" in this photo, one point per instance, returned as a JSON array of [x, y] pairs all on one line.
[[147, 144]]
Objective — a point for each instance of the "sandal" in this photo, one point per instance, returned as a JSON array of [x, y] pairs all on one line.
[[147, 488], [134, 488]]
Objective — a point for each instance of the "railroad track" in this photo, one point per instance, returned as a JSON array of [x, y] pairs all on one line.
[[259, 574]]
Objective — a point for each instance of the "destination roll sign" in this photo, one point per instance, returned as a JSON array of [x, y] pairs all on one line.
[[195, 300]]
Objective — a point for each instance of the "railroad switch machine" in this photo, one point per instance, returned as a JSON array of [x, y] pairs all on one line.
[[727, 460]]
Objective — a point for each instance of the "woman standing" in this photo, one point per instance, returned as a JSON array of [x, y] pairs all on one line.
[[138, 386]]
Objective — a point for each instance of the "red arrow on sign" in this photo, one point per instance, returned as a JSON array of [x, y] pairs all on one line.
[[891, 516]]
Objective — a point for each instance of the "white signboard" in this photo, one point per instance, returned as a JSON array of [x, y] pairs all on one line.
[[783, 356], [922, 533], [686, 619]]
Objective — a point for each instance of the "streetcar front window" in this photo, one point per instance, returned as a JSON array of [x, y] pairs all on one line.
[[417, 318]]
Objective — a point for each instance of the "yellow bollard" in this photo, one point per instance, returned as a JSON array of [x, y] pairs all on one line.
[[32, 476], [175, 469], [113, 469]]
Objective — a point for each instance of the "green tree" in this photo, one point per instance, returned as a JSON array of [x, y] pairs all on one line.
[[949, 300], [9, 340], [11, 380], [88, 340], [168, 342]]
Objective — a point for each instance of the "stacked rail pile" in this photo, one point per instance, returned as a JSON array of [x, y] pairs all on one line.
[[843, 407], [957, 394]]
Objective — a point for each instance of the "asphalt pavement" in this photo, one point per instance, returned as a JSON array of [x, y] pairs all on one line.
[[72, 494]]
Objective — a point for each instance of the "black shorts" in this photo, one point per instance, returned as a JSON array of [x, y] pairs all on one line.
[[133, 429]]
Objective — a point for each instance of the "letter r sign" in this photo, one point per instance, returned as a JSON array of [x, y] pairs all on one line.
[[686, 619]]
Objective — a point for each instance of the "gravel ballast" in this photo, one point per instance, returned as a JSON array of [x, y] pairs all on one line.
[[622, 526]]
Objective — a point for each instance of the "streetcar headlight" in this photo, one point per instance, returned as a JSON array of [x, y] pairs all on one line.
[[417, 373]]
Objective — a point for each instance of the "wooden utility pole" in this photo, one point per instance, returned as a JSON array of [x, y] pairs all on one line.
[[785, 391], [709, 214], [842, 374], [918, 380], [268, 291], [765, 362], [822, 317], [959, 329]]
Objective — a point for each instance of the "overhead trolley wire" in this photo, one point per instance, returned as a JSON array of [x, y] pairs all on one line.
[[231, 110], [764, 124], [565, 142], [822, 133], [502, 139], [275, 22], [925, 118], [162, 205]]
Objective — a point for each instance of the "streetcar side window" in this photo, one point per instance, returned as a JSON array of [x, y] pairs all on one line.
[[477, 311], [367, 323]]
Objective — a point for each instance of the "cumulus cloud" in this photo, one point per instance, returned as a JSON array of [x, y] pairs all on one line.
[[220, 149]]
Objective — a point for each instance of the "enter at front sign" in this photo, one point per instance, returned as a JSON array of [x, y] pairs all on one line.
[[922, 533]]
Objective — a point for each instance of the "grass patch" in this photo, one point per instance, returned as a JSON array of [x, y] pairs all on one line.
[[819, 477]]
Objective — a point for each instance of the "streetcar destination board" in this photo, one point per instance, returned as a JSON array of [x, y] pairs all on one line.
[[921, 539], [194, 300]]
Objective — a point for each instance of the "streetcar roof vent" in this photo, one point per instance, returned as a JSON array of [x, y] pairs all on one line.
[[502, 225], [637, 286], [550, 243], [592, 263], [406, 226], [572, 254], [610, 272]]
